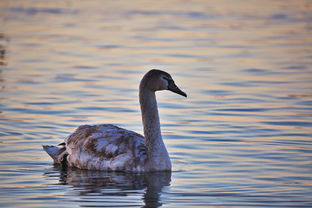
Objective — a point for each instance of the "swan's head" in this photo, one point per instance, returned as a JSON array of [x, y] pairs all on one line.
[[157, 80]]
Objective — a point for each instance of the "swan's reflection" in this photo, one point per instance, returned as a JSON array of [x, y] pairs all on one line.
[[99, 184]]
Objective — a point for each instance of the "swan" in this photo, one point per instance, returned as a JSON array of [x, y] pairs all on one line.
[[111, 148]]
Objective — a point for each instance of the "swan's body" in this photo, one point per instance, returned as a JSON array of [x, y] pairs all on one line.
[[107, 147]]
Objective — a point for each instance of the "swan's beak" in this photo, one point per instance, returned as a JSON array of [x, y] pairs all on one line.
[[174, 88]]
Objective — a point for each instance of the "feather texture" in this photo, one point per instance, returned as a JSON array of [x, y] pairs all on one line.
[[106, 147]]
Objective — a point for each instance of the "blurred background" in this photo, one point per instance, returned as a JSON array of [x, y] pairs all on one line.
[[241, 138]]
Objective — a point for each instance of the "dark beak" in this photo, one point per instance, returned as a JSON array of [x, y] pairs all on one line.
[[174, 88]]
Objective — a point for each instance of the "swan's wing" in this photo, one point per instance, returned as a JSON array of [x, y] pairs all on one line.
[[106, 147]]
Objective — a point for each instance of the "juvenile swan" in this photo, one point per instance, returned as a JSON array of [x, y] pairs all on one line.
[[108, 147]]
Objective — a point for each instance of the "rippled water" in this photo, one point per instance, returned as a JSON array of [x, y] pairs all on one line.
[[241, 139]]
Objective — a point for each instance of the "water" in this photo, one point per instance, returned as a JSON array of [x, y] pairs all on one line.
[[242, 138]]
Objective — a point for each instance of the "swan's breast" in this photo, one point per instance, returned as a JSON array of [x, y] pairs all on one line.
[[106, 147]]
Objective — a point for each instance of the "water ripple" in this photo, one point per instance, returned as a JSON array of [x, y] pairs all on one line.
[[242, 138]]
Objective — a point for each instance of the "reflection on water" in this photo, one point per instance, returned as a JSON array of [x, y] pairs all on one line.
[[241, 139], [110, 189], [3, 41]]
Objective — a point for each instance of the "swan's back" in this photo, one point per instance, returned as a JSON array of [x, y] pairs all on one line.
[[106, 147]]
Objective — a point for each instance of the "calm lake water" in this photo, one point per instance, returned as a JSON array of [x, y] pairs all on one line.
[[242, 138]]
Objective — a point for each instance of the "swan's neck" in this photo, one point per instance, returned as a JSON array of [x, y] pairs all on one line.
[[158, 158]]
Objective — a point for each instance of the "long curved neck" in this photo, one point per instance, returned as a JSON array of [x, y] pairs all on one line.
[[158, 157]]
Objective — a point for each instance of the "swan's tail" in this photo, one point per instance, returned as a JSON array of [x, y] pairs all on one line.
[[58, 153]]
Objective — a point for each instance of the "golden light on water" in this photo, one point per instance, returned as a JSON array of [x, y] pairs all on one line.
[[242, 135]]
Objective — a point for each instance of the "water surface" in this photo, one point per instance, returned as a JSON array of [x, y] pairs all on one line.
[[242, 138]]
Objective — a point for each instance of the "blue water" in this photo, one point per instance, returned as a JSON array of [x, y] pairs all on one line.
[[242, 138]]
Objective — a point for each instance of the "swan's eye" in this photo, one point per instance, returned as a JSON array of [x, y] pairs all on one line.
[[168, 79]]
